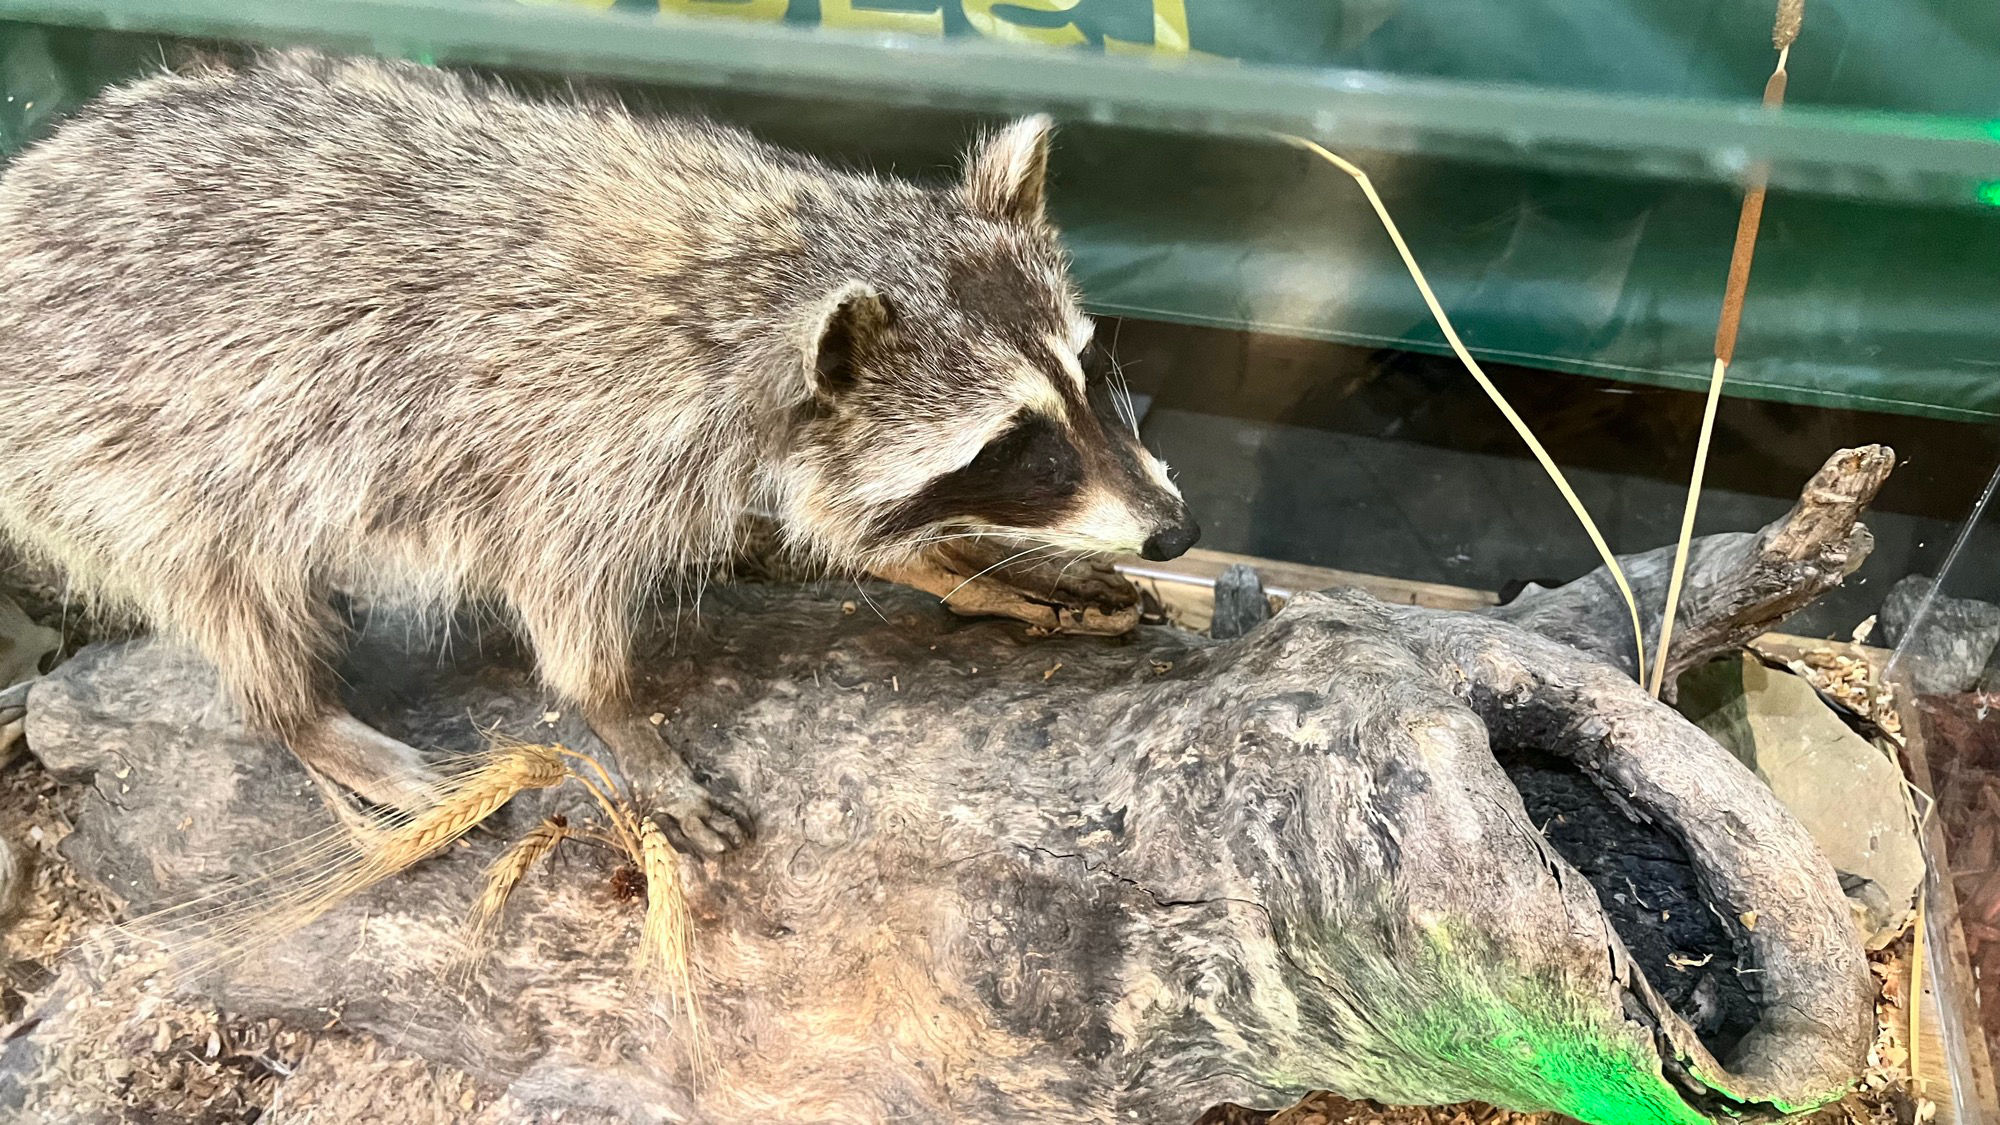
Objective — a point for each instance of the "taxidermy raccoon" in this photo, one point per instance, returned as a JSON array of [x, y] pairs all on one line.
[[315, 324]]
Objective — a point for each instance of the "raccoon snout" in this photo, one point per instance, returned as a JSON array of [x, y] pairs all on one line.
[[1171, 541]]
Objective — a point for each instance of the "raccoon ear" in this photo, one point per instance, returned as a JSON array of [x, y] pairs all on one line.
[[1005, 171], [844, 325]]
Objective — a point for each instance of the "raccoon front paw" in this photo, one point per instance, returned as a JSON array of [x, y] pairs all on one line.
[[989, 578], [695, 819], [13, 717], [706, 822]]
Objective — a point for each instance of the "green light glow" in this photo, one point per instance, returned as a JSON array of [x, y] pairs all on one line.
[[1528, 1041], [1989, 193], [1601, 1079]]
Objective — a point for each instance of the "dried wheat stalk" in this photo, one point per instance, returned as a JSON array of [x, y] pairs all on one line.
[[666, 944], [327, 869], [472, 799], [502, 876]]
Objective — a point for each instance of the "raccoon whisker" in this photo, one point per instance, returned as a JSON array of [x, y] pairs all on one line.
[[928, 539], [863, 591], [1126, 409], [1121, 395], [1057, 584], [1003, 562]]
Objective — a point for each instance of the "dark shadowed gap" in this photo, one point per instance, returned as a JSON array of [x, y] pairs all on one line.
[[1649, 890]]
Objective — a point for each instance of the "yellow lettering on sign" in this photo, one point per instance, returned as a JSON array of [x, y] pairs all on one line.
[[851, 14], [733, 9], [1170, 32], [980, 14]]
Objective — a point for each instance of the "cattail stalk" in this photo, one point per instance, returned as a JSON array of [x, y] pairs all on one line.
[[1791, 14]]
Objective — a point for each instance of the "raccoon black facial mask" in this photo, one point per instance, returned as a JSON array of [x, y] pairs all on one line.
[[1029, 476]]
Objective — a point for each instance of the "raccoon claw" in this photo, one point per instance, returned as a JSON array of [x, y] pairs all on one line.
[[705, 824], [695, 819]]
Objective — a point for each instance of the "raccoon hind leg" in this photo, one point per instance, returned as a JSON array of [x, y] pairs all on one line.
[[273, 642]]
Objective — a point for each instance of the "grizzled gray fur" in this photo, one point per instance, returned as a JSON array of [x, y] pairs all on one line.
[[315, 324]]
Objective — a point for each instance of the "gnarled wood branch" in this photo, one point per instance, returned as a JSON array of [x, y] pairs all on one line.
[[1739, 585]]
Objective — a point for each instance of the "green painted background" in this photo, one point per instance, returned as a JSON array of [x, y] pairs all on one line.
[[1859, 300]]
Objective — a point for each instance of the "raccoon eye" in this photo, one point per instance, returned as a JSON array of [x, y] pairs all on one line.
[[1095, 362], [1023, 478], [1031, 441]]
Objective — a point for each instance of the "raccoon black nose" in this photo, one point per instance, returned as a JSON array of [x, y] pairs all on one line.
[[1171, 542]]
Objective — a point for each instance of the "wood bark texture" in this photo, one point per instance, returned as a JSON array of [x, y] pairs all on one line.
[[1001, 876]]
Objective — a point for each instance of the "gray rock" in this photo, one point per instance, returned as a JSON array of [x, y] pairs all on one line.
[[13, 881], [23, 644], [1846, 791], [1948, 649], [1240, 603]]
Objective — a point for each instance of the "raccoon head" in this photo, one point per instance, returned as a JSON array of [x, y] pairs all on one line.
[[959, 390]]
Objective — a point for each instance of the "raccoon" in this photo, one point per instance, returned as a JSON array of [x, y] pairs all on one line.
[[305, 325]]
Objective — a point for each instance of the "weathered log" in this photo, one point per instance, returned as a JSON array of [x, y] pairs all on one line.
[[1738, 585], [1000, 877]]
